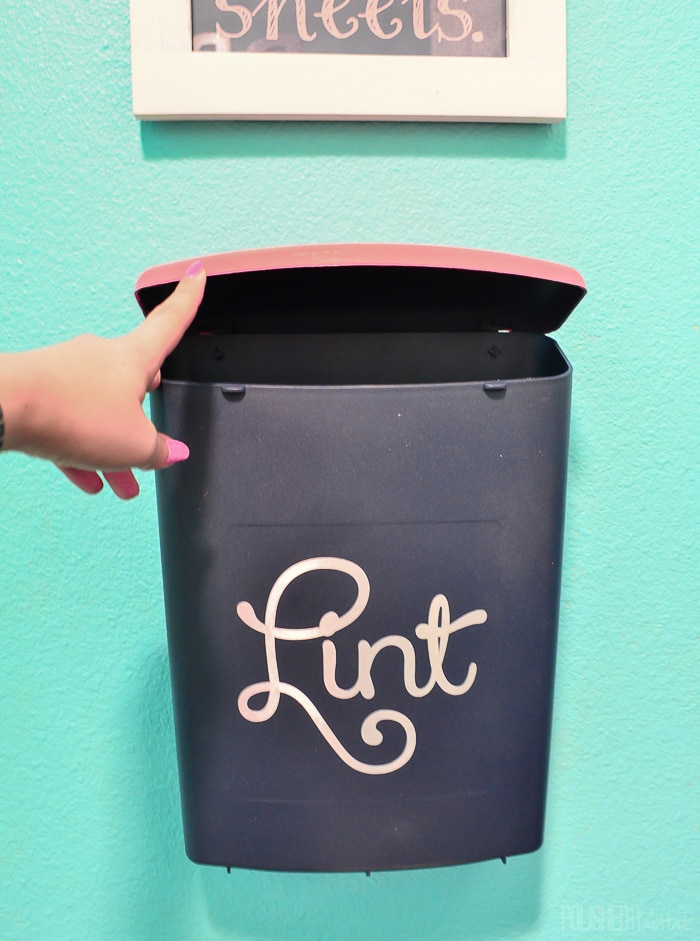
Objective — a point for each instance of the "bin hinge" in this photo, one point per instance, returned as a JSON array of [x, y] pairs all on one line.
[[233, 393]]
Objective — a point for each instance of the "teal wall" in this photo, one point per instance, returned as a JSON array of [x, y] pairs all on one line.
[[90, 833]]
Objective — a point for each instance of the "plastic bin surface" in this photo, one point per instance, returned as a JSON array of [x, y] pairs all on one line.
[[362, 555]]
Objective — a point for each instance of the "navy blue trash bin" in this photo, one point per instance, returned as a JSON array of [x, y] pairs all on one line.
[[362, 555]]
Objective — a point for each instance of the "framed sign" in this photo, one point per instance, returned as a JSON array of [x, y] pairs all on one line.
[[439, 60]]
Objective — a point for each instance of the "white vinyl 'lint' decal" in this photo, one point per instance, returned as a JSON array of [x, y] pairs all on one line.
[[435, 632]]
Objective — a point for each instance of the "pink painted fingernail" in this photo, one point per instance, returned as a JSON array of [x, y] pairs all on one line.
[[194, 269], [177, 451]]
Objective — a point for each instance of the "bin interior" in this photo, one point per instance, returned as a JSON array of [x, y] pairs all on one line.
[[374, 325], [363, 358]]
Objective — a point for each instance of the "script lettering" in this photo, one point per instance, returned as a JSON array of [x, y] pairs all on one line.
[[371, 15], [436, 632], [329, 11], [274, 8], [461, 15]]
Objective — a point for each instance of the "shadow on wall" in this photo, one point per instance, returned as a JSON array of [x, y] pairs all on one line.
[[160, 893], [483, 900], [178, 140]]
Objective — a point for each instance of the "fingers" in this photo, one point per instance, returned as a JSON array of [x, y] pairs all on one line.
[[154, 383], [162, 329], [87, 481], [123, 483], [167, 451]]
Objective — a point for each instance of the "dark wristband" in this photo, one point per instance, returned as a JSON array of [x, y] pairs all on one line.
[[2, 429]]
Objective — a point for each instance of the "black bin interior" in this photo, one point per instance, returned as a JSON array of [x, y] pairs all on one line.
[[366, 325]]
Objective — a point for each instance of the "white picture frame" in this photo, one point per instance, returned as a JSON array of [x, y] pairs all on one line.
[[171, 82]]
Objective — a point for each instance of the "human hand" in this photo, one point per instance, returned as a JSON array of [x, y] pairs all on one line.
[[80, 403]]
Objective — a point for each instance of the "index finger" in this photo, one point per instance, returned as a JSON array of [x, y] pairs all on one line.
[[163, 328]]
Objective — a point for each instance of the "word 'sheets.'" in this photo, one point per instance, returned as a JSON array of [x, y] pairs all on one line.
[[454, 25], [435, 632]]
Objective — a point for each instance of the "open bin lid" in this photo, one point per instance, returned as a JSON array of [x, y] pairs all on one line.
[[372, 288]]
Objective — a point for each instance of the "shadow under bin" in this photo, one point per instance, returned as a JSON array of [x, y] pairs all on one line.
[[362, 554]]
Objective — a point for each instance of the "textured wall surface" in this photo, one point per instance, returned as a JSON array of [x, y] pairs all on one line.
[[90, 832]]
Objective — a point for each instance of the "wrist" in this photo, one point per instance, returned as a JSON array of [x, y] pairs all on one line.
[[20, 413]]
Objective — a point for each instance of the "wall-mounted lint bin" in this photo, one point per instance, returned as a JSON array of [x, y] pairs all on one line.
[[362, 555]]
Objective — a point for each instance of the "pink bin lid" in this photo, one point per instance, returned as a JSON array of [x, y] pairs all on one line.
[[467, 288]]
